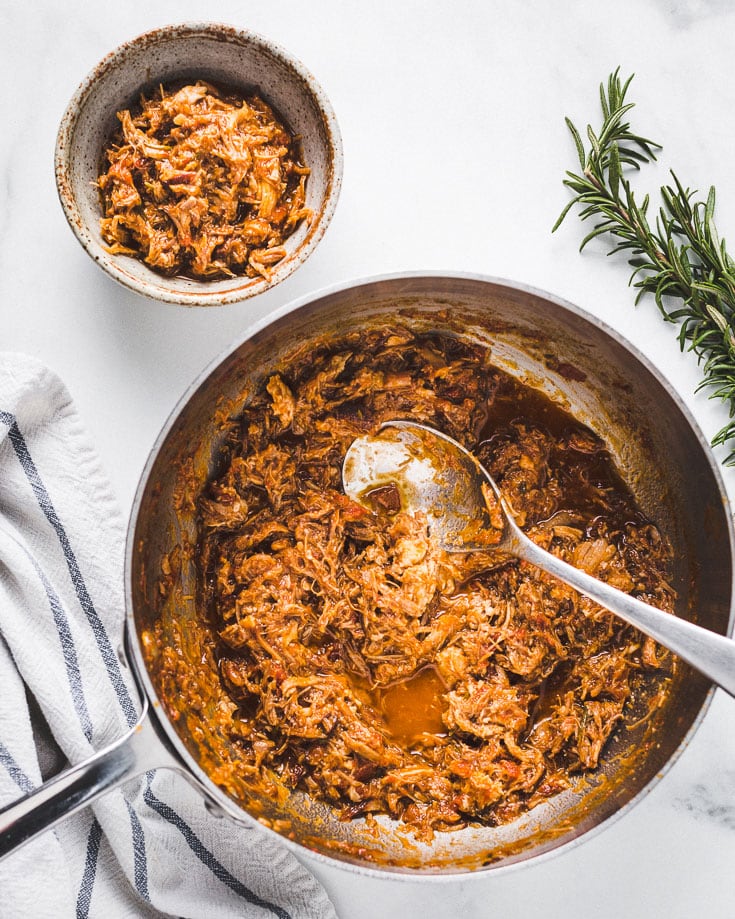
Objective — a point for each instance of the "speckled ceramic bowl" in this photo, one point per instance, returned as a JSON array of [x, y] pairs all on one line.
[[223, 55]]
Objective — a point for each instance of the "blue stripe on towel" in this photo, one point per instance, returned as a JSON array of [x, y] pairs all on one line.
[[205, 856], [68, 648], [109, 656], [84, 897], [14, 770], [140, 860]]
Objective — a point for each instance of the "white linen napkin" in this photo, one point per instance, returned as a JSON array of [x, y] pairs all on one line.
[[151, 849]]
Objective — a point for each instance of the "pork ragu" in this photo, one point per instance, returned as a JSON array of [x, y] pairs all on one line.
[[375, 672], [204, 183]]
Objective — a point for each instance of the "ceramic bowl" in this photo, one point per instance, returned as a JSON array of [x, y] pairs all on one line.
[[222, 55]]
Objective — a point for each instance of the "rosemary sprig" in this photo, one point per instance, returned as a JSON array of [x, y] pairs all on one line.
[[679, 257]]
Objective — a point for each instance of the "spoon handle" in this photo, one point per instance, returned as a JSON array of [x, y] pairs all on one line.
[[712, 654]]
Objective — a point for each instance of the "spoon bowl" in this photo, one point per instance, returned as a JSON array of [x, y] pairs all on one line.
[[432, 475]]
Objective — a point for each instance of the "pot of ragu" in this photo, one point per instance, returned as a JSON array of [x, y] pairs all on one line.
[[322, 669]]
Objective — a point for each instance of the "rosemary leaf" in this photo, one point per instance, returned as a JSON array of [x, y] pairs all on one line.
[[679, 259]]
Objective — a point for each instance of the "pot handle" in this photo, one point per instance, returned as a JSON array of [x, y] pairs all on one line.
[[143, 748]]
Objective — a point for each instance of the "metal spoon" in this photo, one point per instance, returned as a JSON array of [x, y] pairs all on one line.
[[466, 512]]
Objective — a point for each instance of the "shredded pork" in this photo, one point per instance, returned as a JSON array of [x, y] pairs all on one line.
[[202, 184], [324, 610]]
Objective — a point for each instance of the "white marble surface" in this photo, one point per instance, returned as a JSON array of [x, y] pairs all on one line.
[[466, 99]]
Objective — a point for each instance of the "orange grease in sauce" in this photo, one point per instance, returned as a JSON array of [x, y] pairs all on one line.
[[414, 706]]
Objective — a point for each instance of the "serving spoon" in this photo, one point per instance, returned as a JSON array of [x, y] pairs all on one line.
[[466, 512]]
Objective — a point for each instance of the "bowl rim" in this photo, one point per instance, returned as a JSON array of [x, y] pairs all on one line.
[[157, 288]]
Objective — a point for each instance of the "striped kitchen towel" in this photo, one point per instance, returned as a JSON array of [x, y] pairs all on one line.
[[153, 849]]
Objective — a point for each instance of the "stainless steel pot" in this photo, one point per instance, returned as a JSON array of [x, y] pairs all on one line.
[[548, 343]]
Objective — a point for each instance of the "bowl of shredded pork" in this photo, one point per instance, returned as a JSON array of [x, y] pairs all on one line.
[[354, 686], [199, 164]]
